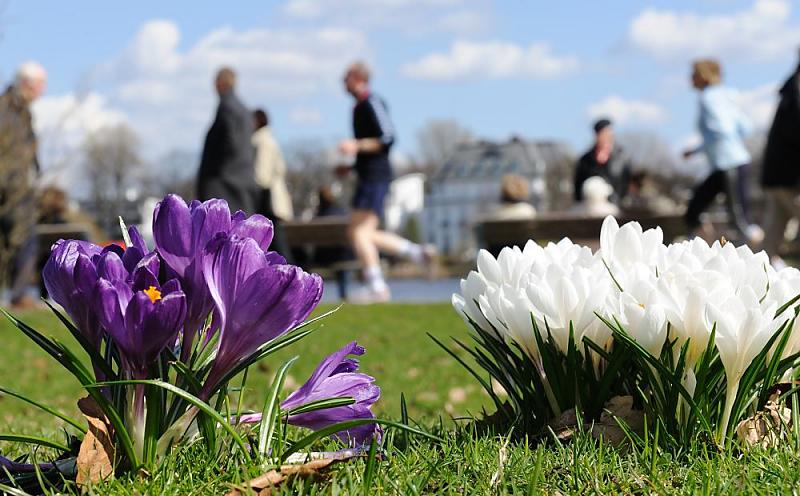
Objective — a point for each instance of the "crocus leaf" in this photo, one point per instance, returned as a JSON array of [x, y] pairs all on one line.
[[194, 400], [271, 408], [321, 405]]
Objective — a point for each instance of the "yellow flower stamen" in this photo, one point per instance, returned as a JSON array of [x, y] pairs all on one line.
[[153, 293]]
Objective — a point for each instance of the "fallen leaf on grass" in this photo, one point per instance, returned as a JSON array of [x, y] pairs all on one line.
[[618, 408], [263, 484], [96, 455], [313, 469], [767, 427]]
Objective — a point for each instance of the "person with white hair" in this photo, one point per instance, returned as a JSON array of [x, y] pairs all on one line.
[[596, 192], [19, 169]]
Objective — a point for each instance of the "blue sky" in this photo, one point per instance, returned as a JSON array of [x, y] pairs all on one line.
[[534, 68]]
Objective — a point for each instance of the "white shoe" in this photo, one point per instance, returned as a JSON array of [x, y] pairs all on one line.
[[367, 296]]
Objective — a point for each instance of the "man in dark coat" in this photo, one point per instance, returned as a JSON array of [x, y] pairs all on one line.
[[604, 159], [226, 167], [19, 168], [781, 168]]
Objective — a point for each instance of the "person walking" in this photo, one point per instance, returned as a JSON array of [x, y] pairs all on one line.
[[19, 168], [781, 168], [226, 166], [723, 127], [374, 136], [274, 201], [605, 159]]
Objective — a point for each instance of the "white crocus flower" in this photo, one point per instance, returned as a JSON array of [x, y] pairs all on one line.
[[568, 296], [465, 303], [621, 247], [643, 316], [743, 328]]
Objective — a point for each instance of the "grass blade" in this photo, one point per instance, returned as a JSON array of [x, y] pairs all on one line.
[[46, 408], [37, 440], [343, 426]]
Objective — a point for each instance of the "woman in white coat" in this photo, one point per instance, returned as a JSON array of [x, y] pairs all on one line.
[[275, 202]]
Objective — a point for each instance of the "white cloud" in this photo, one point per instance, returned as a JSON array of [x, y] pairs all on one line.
[[623, 111], [62, 124], [493, 60], [305, 116], [464, 22], [405, 16], [312, 9], [167, 91], [763, 31], [759, 103]]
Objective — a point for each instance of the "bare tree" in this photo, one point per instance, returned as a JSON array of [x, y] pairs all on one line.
[[648, 152], [177, 170], [438, 139], [308, 169], [113, 167]]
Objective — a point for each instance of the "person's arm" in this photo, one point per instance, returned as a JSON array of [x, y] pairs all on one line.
[[384, 141]]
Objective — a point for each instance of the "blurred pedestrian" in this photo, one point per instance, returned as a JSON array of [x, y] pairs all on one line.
[[226, 166], [781, 169], [596, 194], [514, 196], [273, 201], [723, 127], [19, 169], [374, 136], [605, 159]]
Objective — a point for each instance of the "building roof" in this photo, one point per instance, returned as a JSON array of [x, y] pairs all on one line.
[[492, 160]]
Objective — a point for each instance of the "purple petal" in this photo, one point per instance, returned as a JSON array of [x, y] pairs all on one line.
[[257, 227], [110, 267], [172, 232], [207, 220], [137, 241]]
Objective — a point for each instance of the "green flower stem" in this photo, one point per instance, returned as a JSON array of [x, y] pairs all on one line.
[[730, 398]]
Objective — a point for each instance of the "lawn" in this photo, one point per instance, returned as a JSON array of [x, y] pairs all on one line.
[[403, 359]]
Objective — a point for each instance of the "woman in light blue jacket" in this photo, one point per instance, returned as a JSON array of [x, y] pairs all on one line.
[[723, 127]]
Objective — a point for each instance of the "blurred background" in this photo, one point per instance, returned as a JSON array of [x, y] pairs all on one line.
[[476, 90]]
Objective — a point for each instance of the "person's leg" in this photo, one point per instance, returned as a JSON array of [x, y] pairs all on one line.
[[703, 195], [777, 217], [736, 201], [363, 225], [24, 270]]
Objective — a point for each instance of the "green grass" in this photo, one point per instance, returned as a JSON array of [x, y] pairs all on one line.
[[403, 359]]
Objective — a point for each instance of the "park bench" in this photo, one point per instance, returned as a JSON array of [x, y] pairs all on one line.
[[494, 234], [304, 237], [327, 232]]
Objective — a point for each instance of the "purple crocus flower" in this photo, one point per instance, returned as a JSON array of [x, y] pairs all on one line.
[[257, 297], [181, 233], [141, 315], [335, 377], [71, 288]]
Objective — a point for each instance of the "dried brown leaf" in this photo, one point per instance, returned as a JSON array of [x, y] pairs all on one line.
[[97, 455], [263, 484], [767, 428]]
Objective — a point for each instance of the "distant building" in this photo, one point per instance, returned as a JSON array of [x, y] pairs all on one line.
[[468, 185], [405, 203]]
